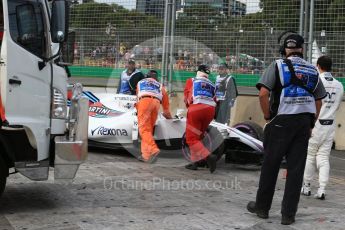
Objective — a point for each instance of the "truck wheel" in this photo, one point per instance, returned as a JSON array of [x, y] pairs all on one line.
[[3, 175], [213, 140], [251, 128]]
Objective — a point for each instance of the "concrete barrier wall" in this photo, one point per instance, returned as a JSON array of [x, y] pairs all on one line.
[[340, 131], [247, 108]]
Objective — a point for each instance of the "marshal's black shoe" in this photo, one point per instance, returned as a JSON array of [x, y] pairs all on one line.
[[191, 166], [212, 162], [251, 207], [196, 165], [153, 158], [201, 164], [287, 220]]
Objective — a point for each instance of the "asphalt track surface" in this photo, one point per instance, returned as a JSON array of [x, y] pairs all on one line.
[[113, 190]]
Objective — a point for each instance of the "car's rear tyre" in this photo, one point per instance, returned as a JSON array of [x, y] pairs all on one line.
[[213, 141], [240, 154], [251, 128], [3, 175]]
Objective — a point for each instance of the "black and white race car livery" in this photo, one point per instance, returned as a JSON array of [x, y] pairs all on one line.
[[113, 124]]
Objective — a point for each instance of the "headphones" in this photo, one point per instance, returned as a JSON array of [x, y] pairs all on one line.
[[281, 41]]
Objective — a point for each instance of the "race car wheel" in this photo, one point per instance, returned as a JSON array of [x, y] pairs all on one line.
[[3, 175], [136, 150], [213, 141], [251, 128]]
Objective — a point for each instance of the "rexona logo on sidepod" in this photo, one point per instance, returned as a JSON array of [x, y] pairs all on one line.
[[108, 132], [99, 110]]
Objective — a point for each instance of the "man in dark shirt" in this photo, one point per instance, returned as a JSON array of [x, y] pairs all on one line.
[[226, 93], [290, 98]]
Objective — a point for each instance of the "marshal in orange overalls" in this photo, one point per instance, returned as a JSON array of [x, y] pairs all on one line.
[[150, 95], [199, 97], [199, 116]]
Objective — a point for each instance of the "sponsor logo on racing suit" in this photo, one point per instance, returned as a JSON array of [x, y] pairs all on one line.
[[126, 98], [99, 110], [109, 132]]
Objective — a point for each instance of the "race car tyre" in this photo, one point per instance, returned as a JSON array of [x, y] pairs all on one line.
[[242, 155], [3, 175], [213, 140], [251, 128], [136, 150]]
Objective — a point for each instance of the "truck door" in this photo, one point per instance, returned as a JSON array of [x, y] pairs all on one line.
[[25, 89]]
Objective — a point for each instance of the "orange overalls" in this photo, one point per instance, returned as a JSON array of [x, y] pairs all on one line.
[[150, 95], [199, 115]]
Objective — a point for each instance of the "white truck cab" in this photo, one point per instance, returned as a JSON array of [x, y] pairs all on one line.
[[37, 128]]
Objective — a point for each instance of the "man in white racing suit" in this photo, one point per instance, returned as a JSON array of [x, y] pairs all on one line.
[[321, 141]]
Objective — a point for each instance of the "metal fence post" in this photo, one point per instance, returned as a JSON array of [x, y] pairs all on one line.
[[81, 48], [301, 18], [305, 29], [167, 14], [172, 41], [311, 31]]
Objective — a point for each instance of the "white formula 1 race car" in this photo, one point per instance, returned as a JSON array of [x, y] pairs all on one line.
[[113, 125]]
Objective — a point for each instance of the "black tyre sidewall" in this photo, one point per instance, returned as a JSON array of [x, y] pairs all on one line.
[[253, 127], [136, 150], [217, 139], [217, 142]]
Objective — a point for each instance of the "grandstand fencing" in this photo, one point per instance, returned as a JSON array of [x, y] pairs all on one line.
[[241, 33]]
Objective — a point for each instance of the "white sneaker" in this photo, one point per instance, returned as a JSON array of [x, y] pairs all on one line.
[[306, 190], [321, 195]]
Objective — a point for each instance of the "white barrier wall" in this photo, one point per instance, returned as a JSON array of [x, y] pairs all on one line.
[[340, 131]]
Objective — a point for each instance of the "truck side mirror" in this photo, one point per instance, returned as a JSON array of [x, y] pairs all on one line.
[[68, 48], [59, 21]]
